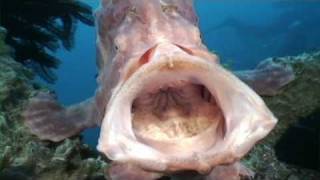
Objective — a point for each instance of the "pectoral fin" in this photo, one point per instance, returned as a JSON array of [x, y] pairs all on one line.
[[268, 77], [49, 120], [230, 172]]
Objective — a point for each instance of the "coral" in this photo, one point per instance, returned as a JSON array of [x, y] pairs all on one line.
[[297, 100], [22, 155], [35, 37]]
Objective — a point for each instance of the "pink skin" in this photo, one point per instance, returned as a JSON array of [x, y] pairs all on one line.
[[164, 103], [158, 42]]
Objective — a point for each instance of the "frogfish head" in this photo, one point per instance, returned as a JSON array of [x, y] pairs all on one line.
[[170, 104]]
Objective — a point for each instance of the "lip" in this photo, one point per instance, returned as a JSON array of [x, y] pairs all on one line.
[[247, 119]]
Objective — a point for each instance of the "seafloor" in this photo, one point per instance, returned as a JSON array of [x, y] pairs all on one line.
[[23, 156]]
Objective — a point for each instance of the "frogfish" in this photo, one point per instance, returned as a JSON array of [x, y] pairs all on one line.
[[164, 102]]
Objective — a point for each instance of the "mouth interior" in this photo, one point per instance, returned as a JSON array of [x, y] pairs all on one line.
[[175, 112]]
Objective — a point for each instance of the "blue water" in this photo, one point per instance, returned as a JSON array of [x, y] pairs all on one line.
[[242, 33]]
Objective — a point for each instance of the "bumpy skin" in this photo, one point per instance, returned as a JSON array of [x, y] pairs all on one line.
[[141, 43]]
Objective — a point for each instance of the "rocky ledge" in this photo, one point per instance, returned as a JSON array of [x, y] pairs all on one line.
[[22, 155]]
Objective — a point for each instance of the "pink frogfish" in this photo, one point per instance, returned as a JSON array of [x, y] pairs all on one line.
[[164, 102]]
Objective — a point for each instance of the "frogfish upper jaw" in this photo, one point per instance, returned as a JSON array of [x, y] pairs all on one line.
[[181, 111]]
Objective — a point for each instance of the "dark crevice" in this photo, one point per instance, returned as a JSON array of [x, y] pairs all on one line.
[[300, 144]]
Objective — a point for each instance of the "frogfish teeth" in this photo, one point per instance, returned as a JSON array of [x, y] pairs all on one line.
[[164, 102]]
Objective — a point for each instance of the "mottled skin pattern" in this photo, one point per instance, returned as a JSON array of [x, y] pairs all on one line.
[[153, 68]]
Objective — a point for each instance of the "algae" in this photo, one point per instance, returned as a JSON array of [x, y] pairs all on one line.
[[297, 100], [22, 155]]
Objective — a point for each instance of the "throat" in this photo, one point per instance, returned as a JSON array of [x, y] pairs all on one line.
[[166, 102], [175, 112]]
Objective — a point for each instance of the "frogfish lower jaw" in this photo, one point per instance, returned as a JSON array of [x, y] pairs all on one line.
[[180, 110]]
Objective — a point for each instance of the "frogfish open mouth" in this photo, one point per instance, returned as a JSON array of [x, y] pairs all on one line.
[[164, 102]]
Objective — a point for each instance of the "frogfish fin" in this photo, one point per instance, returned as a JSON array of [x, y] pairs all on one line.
[[268, 78], [235, 171], [49, 120]]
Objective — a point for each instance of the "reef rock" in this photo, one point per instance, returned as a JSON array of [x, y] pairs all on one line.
[[298, 100], [22, 155]]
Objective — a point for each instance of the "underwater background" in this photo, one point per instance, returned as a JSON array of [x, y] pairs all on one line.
[[242, 34]]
